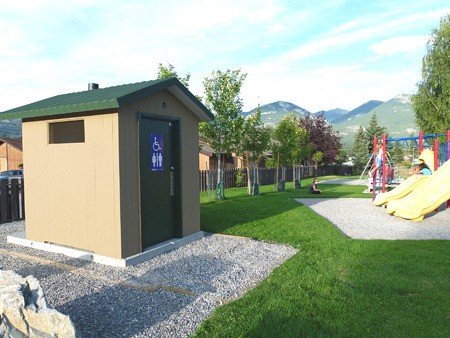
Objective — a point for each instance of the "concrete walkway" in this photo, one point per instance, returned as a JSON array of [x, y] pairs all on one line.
[[358, 218]]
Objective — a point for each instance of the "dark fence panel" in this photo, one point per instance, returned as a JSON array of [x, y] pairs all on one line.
[[11, 200], [208, 178]]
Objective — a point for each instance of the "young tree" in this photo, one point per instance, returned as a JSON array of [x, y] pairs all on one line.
[[288, 136], [342, 156], [255, 140], [322, 137], [317, 158], [360, 150], [374, 129], [222, 98], [431, 103], [169, 72]]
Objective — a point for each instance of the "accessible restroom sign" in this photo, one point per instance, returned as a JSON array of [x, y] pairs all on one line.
[[157, 149]]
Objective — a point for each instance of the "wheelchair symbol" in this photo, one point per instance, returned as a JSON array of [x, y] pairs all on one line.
[[156, 146]]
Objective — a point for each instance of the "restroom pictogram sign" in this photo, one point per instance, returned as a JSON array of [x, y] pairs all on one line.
[[157, 152]]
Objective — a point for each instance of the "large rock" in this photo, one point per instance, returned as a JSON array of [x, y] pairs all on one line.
[[24, 312]]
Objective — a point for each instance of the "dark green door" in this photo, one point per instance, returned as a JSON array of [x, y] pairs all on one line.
[[159, 179]]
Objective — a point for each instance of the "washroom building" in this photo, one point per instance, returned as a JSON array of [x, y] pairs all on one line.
[[112, 172]]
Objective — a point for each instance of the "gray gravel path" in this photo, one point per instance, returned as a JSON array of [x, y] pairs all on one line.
[[358, 218], [167, 296]]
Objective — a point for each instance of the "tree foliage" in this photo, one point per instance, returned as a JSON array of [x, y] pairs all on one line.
[[342, 156], [254, 141], [222, 98], [317, 158], [255, 137], [169, 72], [360, 150], [374, 129], [288, 135], [398, 153], [431, 103], [322, 137]]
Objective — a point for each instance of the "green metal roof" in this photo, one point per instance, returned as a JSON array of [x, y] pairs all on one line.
[[107, 98]]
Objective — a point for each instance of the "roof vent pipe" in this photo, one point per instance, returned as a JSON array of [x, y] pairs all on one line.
[[92, 86]]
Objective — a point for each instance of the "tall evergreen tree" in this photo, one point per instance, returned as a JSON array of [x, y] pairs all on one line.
[[360, 150], [431, 103], [374, 129], [398, 153]]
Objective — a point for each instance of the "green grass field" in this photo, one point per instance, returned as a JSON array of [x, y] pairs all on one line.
[[334, 286]]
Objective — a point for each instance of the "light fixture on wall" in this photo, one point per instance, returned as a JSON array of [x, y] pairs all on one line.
[[164, 105]]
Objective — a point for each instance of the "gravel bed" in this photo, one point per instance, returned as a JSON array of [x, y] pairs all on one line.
[[167, 296], [358, 218]]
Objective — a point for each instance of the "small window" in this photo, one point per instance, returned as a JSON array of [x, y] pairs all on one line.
[[66, 132]]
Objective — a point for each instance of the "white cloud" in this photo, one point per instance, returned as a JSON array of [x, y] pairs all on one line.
[[54, 47], [328, 87], [401, 44]]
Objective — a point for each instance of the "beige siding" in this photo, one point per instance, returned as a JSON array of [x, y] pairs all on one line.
[[10, 157], [129, 165], [203, 161], [72, 193], [87, 195]]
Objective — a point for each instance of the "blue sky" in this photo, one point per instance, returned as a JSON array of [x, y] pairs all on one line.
[[316, 54]]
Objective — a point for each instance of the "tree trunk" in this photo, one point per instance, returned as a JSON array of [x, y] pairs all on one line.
[[278, 167], [220, 184], [249, 181]]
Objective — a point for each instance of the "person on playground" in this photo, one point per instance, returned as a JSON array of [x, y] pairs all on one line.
[[423, 170], [378, 159], [313, 189]]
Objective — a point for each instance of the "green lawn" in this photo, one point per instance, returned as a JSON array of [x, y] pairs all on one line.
[[334, 286]]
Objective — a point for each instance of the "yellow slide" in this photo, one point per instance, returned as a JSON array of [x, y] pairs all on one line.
[[425, 198], [402, 190]]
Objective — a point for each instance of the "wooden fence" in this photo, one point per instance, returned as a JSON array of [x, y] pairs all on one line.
[[12, 206], [208, 178]]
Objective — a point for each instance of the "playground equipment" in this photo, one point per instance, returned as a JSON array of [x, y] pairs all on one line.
[[427, 157], [424, 199], [391, 179], [441, 154], [418, 195], [402, 190]]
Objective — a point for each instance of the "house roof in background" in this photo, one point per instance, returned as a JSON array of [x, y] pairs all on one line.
[[13, 142], [206, 149], [108, 98]]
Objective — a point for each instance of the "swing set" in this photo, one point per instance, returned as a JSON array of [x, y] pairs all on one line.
[[385, 177]]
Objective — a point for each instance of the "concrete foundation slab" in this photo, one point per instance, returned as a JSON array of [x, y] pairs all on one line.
[[148, 253]]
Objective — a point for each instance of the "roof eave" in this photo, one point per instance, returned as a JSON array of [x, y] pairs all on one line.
[[61, 110], [190, 101], [178, 90]]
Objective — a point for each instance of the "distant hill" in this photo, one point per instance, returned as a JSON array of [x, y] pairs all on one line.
[[396, 115], [272, 113], [333, 114], [358, 111], [11, 128]]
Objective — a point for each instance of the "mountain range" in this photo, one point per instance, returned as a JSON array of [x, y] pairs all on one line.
[[272, 113], [11, 128], [395, 114]]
